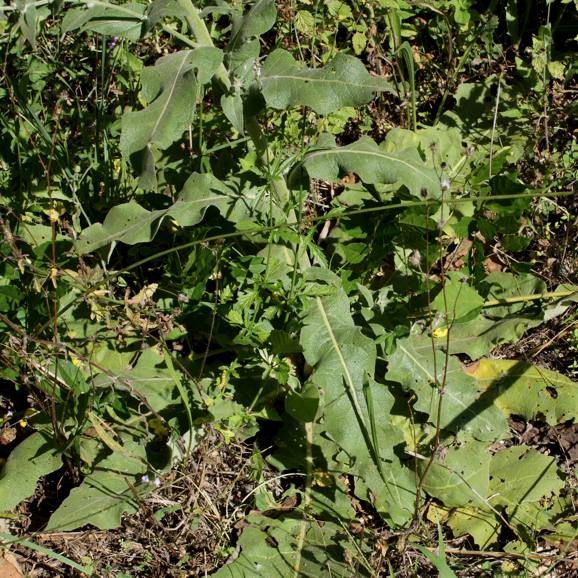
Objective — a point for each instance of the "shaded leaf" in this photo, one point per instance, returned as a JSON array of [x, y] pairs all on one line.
[[31, 459], [464, 408], [274, 548], [526, 390], [501, 323], [131, 224], [104, 495], [355, 410]]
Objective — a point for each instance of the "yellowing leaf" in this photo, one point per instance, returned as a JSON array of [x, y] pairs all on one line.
[[526, 390]]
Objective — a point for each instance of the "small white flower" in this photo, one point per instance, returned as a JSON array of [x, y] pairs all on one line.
[[145, 479], [445, 184]]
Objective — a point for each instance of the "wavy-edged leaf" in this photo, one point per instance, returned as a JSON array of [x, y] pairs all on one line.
[[130, 223], [124, 20], [464, 407], [461, 475], [31, 459], [355, 410], [343, 81], [170, 87], [522, 474], [373, 164], [501, 323], [526, 390]]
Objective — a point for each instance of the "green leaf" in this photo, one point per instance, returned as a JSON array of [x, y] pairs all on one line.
[[104, 495], [291, 546], [303, 405], [457, 297], [501, 323], [481, 525], [414, 365], [126, 20], [31, 459], [170, 87], [526, 390], [521, 474], [149, 376], [355, 410], [373, 164], [256, 21], [461, 475], [131, 224], [342, 82]]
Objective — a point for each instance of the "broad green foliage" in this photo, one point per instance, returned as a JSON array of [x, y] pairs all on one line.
[[221, 227], [104, 495], [531, 392], [374, 165], [170, 88], [355, 408], [342, 82], [302, 550], [463, 408], [33, 458], [130, 223]]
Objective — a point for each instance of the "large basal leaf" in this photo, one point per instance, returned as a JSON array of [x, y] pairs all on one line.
[[125, 20], [482, 525], [344, 364], [464, 407], [521, 474], [31, 459], [373, 164], [291, 546], [523, 389], [104, 495], [170, 88], [342, 82], [131, 224], [460, 475]]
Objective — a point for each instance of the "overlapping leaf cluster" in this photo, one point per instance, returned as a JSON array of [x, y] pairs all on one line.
[[370, 348]]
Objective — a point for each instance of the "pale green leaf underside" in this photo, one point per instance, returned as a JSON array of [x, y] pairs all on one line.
[[373, 164], [131, 224], [342, 82]]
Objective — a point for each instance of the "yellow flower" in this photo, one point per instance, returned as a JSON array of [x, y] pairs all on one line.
[[439, 332]]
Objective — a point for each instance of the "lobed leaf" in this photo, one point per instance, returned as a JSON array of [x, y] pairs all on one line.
[[344, 81], [373, 164], [170, 88], [464, 407], [356, 409]]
